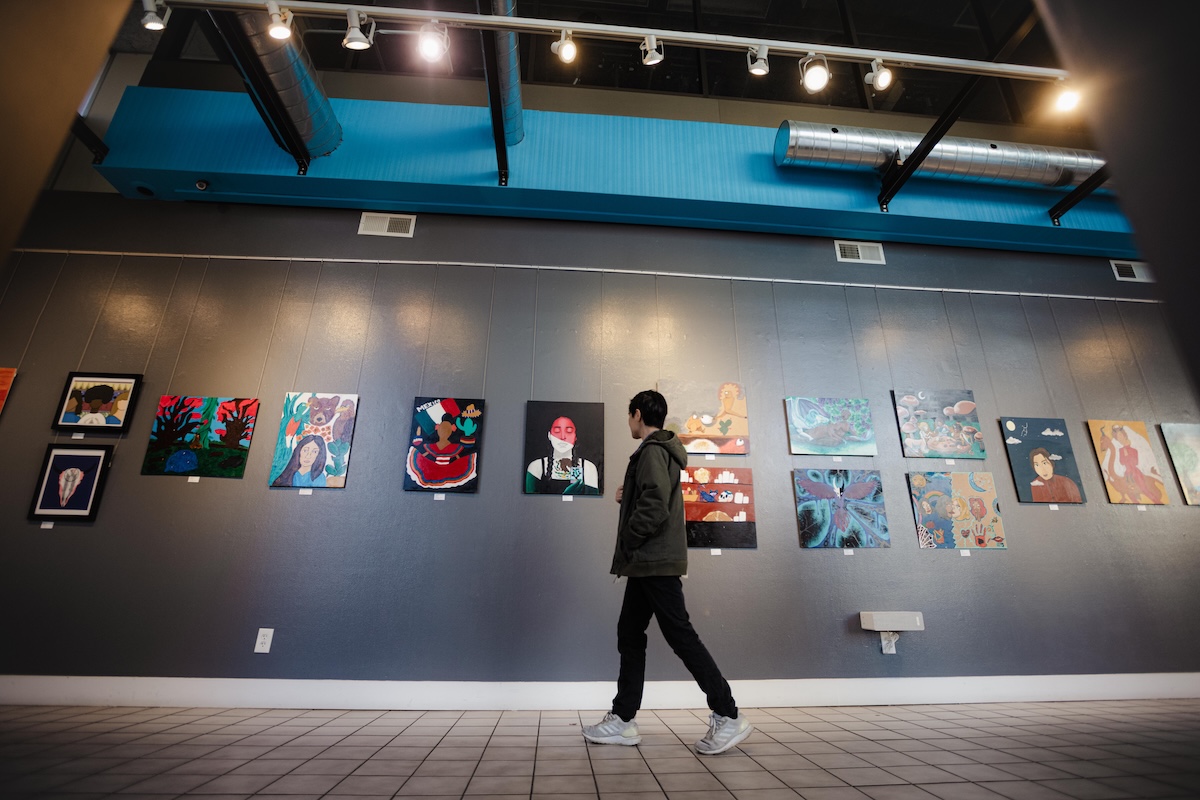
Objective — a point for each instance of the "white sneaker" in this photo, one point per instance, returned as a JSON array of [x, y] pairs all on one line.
[[723, 733], [612, 730]]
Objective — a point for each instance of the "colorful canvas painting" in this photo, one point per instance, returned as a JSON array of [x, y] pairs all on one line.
[[6, 380], [100, 401], [1183, 445], [833, 426], [840, 508], [204, 436], [312, 448], [938, 423], [957, 510], [71, 482], [1042, 461], [708, 418], [443, 452], [1131, 472], [718, 506], [564, 448]]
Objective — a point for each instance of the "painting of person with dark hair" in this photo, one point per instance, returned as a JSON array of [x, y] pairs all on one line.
[[1042, 461], [326, 423], [97, 400], [306, 467], [443, 455], [564, 448]]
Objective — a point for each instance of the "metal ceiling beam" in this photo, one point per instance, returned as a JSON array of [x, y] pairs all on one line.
[[899, 171], [1081, 191], [591, 30], [91, 140], [492, 72]]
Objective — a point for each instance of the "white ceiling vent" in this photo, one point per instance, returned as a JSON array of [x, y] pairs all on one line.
[[859, 252], [373, 224], [1136, 271]]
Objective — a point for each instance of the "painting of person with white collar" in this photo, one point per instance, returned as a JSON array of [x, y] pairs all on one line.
[[564, 448]]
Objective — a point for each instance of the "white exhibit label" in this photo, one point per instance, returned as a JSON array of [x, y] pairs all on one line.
[[47, 525], [950, 462], [715, 551], [1054, 506], [193, 478], [304, 492], [567, 498], [965, 553], [837, 458], [709, 457], [1141, 508], [439, 496], [76, 435], [847, 551]]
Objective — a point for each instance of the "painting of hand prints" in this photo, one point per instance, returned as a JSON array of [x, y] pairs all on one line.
[[564, 448], [834, 426], [70, 482], [938, 423], [840, 508], [718, 506], [204, 436], [443, 452], [6, 380], [1042, 461], [101, 401], [1130, 470], [1183, 445], [957, 510], [312, 448], [708, 418]]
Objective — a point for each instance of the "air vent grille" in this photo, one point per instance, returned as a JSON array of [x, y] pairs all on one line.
[[859, 252], [1135, 271], [373, 224]]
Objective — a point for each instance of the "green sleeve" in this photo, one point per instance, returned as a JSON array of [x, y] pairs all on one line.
[[654, 485]]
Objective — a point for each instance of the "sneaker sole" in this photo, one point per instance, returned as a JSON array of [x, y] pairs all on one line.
[[734, 742], [613, 739]]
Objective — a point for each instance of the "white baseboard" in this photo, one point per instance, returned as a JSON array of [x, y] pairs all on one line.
[[470, 695]]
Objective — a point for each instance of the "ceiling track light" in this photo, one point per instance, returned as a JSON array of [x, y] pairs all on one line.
[[653, 51], [814, 72], [281, 21], [1068, 98], [151, 19], [434, 41], [355, 40], [565, 48], [880, 78], [756, 60]]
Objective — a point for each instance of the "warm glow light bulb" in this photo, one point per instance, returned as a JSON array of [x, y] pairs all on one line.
[[279, 28], [567, 51], [883, 78], [1068, 100], [816, 76], [433, 42]]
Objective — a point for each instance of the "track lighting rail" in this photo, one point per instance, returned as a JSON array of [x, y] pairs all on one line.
[[587, 30]]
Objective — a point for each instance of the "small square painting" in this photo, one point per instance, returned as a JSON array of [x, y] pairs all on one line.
[[840, 508], [957, 510], [833, 426], [718, 506], [204, 436], [97, 401], [708, 418], [938, 423]]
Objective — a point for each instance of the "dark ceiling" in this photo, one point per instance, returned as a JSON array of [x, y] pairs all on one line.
[[971, 29]]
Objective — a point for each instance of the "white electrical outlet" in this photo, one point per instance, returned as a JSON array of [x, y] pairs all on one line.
[[263, 643]]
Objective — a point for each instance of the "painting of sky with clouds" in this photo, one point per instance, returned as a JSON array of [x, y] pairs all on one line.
[[1042, 461]]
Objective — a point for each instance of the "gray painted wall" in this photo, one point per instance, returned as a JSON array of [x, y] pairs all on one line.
[[174, 578]]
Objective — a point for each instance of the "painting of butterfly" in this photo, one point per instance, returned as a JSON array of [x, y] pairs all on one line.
[[841, 508]]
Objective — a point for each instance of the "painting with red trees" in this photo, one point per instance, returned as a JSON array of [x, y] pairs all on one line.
[[203, 436]]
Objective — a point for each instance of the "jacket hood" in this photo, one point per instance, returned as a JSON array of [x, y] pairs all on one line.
[[669, 442]]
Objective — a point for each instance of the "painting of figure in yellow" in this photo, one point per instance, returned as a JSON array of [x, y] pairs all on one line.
[[1130, 468], [715, 419]]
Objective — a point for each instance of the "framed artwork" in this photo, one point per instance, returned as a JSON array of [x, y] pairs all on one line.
[[718, 507], [1130, 469], [840, 508], [938, 423], [830, 426], [97, 401], [443, 452], [957, 510], [6, 380], [312, 448], [1042, 461], [204, 436], [71, 482], [1183, 446], [564, 448], [714, 418]]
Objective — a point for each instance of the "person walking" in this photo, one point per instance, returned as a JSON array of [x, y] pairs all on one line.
[[651, 553]]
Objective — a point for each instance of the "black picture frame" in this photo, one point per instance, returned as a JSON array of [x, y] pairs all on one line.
[[92, 461], [97, 417]]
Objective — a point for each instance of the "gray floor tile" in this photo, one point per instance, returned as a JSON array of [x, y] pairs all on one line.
[[626, 783], [441, 785], [1025, 790], [866, 776], [1085, 789], [301, 784], [897, 793], [383, 785], [691, 782], [801, 779], [235, 784], [564, 784]]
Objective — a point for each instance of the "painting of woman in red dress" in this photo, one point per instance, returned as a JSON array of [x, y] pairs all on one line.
[[443, 455]]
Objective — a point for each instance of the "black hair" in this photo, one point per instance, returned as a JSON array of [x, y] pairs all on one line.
[[1039, 451], [652, 405]]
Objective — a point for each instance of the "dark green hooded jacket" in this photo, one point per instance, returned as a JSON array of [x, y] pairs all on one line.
[[651, 537]]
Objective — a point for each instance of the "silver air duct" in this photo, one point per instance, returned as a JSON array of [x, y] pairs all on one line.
[[811, 144]]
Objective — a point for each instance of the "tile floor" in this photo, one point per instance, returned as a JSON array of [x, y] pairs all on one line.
[[1020, 751]]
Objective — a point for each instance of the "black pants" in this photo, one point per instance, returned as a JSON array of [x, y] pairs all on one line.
[[662, 597]]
